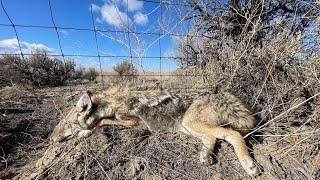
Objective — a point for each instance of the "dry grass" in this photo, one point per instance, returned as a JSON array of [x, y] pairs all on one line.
[[285, 147], [279, 80]]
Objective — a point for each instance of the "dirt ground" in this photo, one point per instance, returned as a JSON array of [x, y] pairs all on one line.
[[27, 117]]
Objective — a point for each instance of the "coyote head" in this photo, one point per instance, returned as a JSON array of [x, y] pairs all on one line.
[[81, 119]]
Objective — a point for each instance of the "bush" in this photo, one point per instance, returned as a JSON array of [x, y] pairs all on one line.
[[37, 70], [273, 65], [253, 56], [79, 73], [50, 71], [91, 74], [15, 69], [125, 69]]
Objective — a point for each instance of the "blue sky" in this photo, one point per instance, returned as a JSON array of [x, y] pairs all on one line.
[[108, 15]]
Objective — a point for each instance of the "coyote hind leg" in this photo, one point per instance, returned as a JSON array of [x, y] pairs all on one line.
[[207, 148], [208, 133]]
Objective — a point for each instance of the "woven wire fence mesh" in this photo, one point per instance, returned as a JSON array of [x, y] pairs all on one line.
[[150, 50]]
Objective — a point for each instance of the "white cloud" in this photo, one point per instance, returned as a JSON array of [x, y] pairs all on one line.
[[140, 18], [112, 15], [133, 5], [95, 8], [12, 46]]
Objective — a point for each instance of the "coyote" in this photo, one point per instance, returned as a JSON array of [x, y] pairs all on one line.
[[160, 110]]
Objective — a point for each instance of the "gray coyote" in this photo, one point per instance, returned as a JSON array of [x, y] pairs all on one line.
[[159, 110]]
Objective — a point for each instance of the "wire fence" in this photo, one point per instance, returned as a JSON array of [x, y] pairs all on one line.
[[157, 62]]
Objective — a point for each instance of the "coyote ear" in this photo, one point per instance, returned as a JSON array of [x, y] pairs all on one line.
[[84, 103]]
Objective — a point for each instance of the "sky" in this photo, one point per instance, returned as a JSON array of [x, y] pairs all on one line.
[[112, 16]]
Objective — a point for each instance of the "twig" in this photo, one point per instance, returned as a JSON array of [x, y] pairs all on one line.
[[282, 114]]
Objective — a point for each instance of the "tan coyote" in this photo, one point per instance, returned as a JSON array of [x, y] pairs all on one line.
[[161, 111]]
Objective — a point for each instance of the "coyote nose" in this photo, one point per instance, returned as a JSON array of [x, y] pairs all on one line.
[[51, 142]]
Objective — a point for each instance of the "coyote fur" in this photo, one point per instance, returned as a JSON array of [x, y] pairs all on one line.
[[159, 110]]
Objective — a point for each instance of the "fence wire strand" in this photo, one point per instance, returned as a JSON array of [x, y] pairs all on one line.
[[97, 45], [14, 28], [129, 41], [60, 47]]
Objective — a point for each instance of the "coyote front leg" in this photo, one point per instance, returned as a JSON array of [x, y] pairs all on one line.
[[127, 123], [208, 133], [106, 122]]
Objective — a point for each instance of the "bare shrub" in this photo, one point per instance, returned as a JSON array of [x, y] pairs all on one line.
[[38, 69], [79, 73], [91, 74], [244, 50], [125, 69], [267, 54], [15, 69]]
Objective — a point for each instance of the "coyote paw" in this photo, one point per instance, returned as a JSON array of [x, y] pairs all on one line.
[[85, 134], [253, 170], [206, 160]]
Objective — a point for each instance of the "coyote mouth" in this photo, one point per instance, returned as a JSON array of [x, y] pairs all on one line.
[[65, 138]]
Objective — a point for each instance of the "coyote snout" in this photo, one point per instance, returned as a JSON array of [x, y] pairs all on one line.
[[82, 119]]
